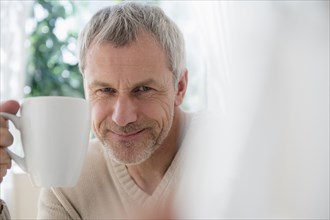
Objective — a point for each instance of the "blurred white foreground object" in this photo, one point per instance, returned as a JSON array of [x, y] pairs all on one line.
[[268, 77]]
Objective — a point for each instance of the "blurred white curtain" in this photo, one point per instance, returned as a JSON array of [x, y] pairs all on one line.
[[268, 79], [13, 18], [12, 73]]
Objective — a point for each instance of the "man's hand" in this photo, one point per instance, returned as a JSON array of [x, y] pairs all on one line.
[[6, 139]]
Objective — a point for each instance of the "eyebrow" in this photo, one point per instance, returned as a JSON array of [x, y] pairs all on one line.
[[97, 83], [145, 82]]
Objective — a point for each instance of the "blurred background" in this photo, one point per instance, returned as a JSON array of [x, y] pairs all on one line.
[[260, 66]]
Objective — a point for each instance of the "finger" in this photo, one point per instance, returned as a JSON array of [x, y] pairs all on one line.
[[4, 122], [3, 170], [10, 106], [5, 158], [6, 138]]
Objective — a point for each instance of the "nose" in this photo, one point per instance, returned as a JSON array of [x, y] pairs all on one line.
[[124, 111]]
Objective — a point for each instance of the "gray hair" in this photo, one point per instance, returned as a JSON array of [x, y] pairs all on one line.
[[120, 24]]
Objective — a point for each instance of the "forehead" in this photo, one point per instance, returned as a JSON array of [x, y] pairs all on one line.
[[143, 58], [143, 50]]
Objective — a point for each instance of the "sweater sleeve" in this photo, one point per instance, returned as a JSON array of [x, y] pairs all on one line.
[[53, 205]]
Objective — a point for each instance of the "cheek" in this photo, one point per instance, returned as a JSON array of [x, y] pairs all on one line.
[[158, 109], [100, 112]]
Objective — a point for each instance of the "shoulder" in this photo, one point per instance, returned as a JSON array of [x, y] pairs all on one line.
[[95, 151], [96, 164]]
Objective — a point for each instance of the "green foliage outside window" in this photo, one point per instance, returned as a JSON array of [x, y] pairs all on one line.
[[48, 72]]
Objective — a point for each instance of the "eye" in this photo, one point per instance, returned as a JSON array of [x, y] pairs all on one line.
[[141, 89], [106, 91]]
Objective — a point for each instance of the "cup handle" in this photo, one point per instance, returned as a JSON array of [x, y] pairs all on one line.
[[16, 121]]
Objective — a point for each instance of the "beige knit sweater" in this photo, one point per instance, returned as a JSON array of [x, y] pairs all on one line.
[[105, 190]]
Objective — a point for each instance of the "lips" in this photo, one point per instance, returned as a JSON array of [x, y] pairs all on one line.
[[126, 136]]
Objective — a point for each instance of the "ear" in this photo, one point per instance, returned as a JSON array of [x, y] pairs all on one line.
[[181, 88]]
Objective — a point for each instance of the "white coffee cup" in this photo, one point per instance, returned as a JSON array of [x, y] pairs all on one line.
[[55, 135]]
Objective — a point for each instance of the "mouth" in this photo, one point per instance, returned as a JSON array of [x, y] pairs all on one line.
[[127, 136]]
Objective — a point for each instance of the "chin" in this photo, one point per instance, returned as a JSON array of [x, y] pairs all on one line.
[[132, 155]]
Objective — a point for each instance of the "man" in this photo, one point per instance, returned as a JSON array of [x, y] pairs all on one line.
[[133, 62]]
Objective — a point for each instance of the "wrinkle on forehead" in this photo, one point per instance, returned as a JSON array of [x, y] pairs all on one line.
[[136, 48]]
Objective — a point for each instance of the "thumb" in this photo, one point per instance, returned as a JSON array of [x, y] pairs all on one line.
[[10, 106]]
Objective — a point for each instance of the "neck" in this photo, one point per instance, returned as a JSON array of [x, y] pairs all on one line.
[[148, 174]]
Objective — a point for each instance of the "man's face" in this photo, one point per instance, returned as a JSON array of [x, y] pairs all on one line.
[[132, 93]]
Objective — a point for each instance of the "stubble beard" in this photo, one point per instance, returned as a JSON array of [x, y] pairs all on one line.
[[131, 152]]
